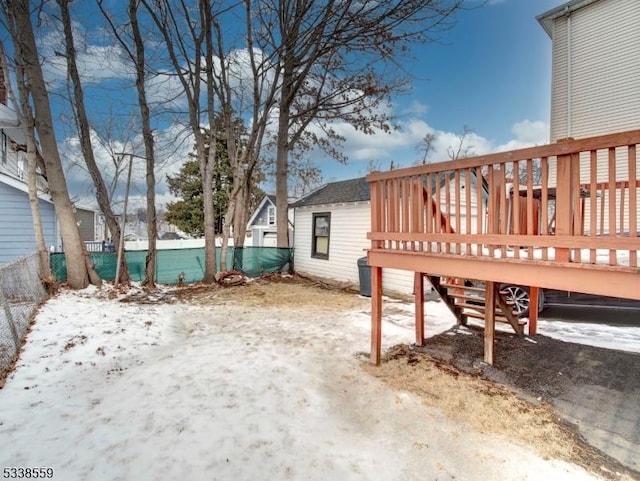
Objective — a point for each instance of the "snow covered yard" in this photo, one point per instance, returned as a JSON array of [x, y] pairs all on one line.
[[259, 385]]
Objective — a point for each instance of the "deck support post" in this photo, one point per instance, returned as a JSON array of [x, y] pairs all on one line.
[[568, 175], [489, 322], [418, 288], [376, 315], [534, 297]]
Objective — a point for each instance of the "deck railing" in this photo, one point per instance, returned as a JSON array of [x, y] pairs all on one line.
[[575, 201]]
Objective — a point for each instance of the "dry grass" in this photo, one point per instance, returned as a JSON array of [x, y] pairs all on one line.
[[281, 291], [489, 408]]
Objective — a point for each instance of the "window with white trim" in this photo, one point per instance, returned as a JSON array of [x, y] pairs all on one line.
[[20, 168], [320, 235], [271, 215]]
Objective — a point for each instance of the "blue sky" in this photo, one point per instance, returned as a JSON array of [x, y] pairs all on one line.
[[491, 72]]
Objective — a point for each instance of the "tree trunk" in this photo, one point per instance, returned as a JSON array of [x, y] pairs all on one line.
[[43, 252], [84, 132], [209, 212], [147, 133], [282, 173], [78, 267], [228, 222]]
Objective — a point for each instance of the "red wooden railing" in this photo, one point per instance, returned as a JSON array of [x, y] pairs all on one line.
[[575, 201]]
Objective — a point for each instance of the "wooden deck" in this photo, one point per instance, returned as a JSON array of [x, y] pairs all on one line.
[[560, 216]]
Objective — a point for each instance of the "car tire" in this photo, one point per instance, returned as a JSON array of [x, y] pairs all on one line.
[[519, 295]]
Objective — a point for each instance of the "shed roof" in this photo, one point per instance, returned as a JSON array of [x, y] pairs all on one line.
[[352, 190]]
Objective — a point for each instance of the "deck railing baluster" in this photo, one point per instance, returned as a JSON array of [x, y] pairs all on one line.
[[593, 201], [633, 201], [612, 201]]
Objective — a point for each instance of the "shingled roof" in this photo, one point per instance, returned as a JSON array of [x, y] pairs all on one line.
[[352, 190]]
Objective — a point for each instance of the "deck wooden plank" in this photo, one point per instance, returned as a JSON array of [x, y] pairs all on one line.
[[489, 323]]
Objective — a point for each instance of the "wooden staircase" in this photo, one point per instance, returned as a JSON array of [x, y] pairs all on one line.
[[468, 302]]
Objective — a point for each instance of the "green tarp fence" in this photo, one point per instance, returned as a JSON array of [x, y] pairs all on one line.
[[172, 264]]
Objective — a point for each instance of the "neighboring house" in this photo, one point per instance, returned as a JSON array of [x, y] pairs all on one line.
[[594, 87], [88, 224], [595, 67], [262, 229], [17, 236]]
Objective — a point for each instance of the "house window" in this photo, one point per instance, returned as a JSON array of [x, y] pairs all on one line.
[[321, 231], [3, 148], [20, 169], [271, 215]]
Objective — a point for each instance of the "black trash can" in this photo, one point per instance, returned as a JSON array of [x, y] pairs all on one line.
[[364, 273]]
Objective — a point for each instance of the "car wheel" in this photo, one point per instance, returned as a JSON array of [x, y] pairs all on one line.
[[520, 297]]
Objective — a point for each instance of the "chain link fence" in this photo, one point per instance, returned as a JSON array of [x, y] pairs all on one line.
[[20, 294]]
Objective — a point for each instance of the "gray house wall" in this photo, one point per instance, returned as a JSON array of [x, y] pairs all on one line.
[[16, 225]]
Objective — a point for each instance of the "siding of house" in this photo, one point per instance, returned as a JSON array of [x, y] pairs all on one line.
[[261, 226], [559, 86], [603, 71], [450, 207], [347, 243], [595, 86], [16, 235], [86, 221]]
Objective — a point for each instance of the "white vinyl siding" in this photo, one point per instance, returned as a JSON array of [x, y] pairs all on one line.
[[348, 242], [604, 92], [450, 208], [559, 86], [17, 238], [604, 70], [605, 57]]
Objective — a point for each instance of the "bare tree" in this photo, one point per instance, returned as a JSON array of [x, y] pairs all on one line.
[[137, 55], [425, 147], [335, 61], [84, 132], [147, 134], [255, 101], [27, 122], [17, 14], [461, 148], [186, 34]]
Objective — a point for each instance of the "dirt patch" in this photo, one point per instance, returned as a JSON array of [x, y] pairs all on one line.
[[534, 395]]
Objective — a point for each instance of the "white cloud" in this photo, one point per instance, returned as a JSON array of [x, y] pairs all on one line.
[[416, 108], [527, 134], [529, 131], [405, 145], [96, 62], [173, 146]]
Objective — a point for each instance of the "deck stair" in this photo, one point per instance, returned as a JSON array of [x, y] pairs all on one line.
[[468, 302]]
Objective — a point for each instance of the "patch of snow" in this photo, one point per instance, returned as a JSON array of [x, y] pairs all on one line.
[[119, 390]]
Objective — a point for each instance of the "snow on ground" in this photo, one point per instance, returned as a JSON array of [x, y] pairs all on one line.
[[598, 335], [107, 390]]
